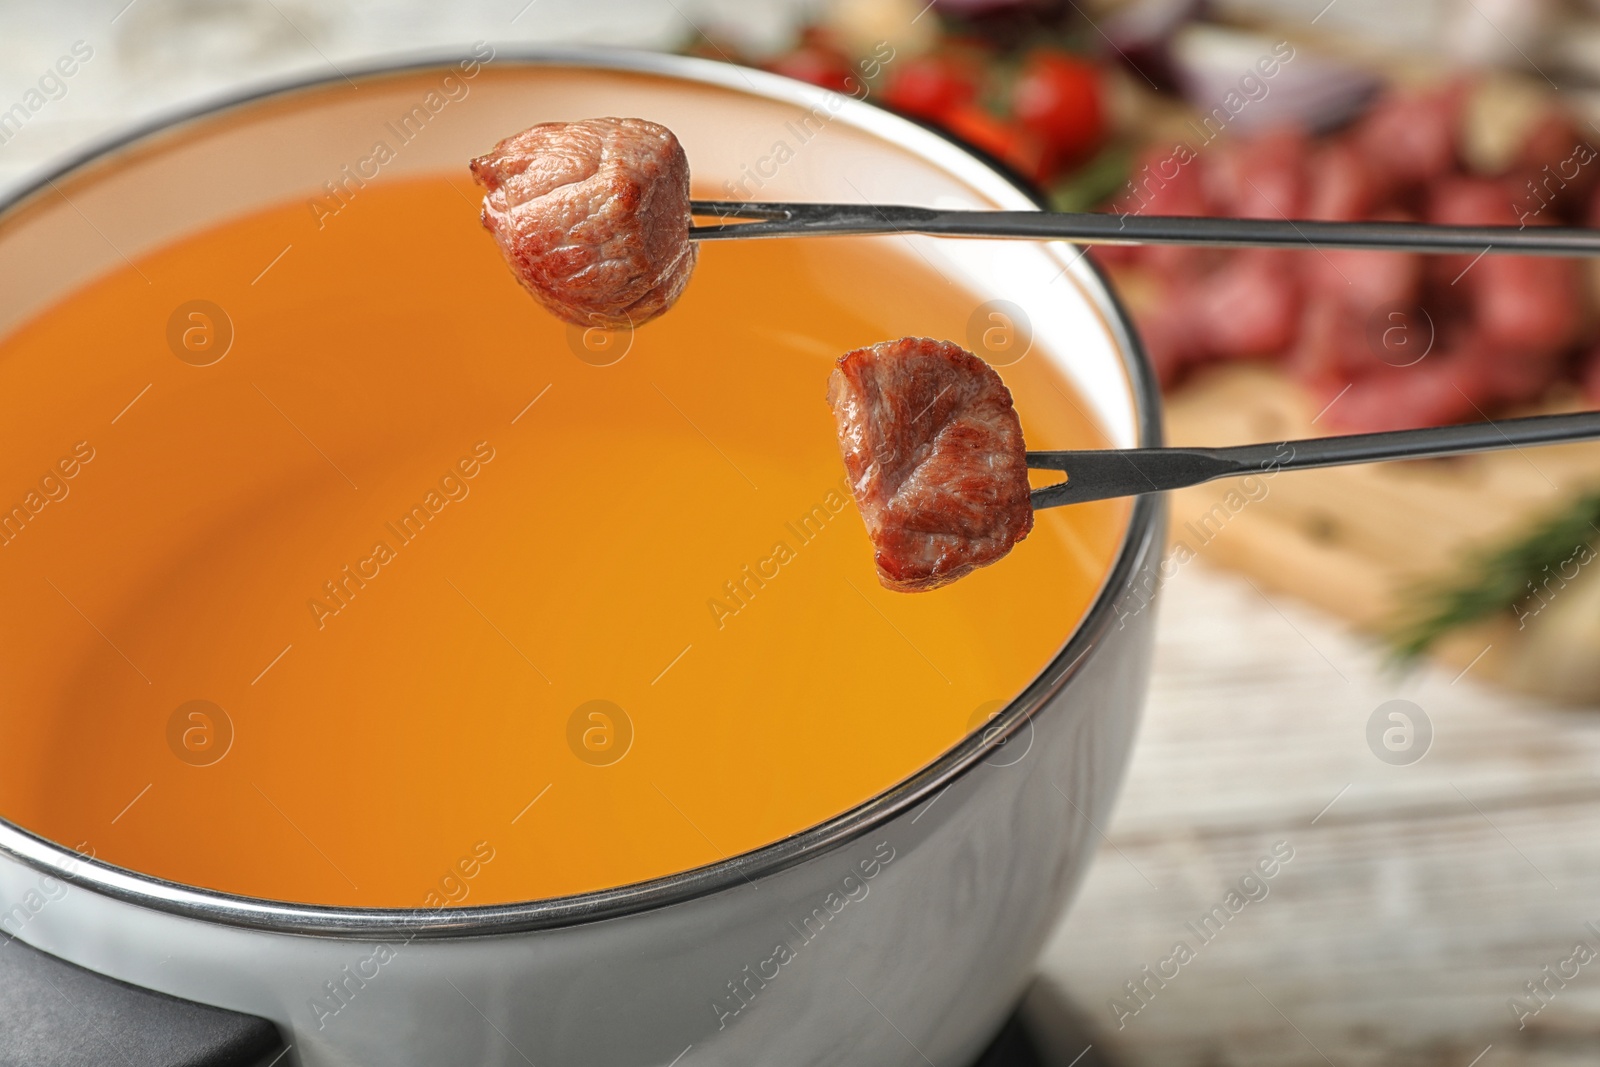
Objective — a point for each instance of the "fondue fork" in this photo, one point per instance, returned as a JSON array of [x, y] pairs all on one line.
[[1100, 474], [1094, 228], [1104, 473]]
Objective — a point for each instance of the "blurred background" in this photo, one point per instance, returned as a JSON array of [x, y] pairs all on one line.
[[1381, 682]]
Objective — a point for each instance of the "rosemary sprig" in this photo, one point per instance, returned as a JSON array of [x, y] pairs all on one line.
[[1495, 579], [1093, 183]]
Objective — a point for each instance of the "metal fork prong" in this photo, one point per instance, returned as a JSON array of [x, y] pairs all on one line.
[[736, 209], [795, 220], [762, 216], [1096, 474], [1099, 474]]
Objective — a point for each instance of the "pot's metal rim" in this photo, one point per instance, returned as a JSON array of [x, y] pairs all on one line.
[[228, 909]]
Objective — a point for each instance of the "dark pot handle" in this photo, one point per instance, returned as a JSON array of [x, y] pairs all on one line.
[[57, 1014]]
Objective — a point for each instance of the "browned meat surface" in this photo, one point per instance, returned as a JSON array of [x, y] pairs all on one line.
[[935, 456], [593, 217]]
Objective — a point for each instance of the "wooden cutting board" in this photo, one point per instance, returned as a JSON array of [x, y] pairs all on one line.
[[1352, 539]]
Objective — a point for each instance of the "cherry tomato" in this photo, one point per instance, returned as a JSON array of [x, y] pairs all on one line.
[[1058, 97], [931, 87], [1019, 148]]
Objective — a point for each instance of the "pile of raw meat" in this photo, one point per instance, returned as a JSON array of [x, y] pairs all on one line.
[[1497, 330]]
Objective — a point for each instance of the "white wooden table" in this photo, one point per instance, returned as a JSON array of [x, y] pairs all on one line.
[[1419, 899]]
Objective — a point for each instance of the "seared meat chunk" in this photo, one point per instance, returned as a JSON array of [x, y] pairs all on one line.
[[935, 456], [593, 217]]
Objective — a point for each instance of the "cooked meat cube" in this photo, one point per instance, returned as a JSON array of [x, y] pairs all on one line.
[[593, 217], [935, 456]]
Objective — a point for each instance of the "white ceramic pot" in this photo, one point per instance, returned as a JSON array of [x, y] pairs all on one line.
[[912, 923]]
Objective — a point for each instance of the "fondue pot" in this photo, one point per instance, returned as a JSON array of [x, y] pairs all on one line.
[[903, 931]]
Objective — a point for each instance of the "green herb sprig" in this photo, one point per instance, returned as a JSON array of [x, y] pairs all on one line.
[[1493, 580]]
